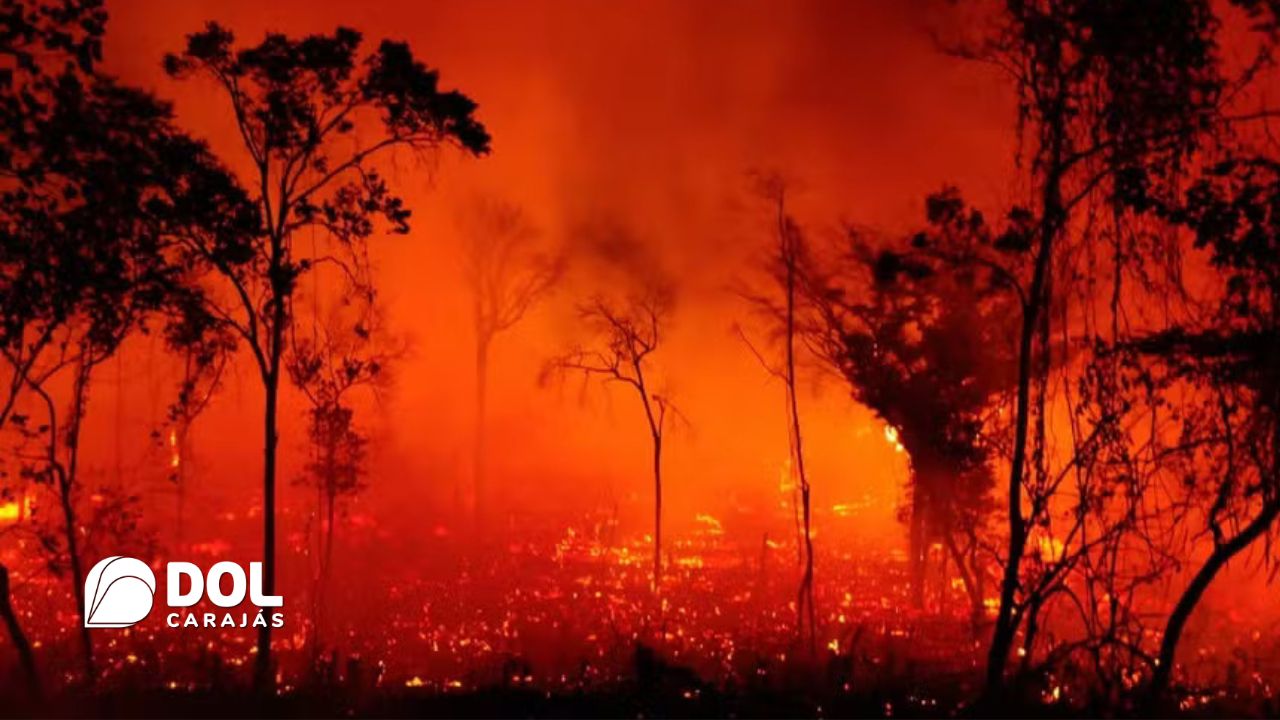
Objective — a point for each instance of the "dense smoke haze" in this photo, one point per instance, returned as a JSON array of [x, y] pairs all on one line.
[[644, 120], [732, 358]]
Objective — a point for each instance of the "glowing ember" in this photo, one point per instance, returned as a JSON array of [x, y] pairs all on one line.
[[15, 510], [175, 455], [1050, 548], [712, 524], [891, 437]]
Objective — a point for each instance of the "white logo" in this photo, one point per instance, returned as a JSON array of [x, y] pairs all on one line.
[[118, 592]]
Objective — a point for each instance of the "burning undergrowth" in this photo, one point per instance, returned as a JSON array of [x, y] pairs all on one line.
[[555, 619]]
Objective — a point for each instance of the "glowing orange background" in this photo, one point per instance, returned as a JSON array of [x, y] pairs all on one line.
[[648, 113]]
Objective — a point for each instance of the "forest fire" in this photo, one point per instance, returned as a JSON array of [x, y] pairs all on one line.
[[639, 359], [15, 510], [891, 437]]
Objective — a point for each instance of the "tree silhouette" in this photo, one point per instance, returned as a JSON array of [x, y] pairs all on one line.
[[82, 275], [508, 273], [627, 334], [206, 348], [100, 189], [788, 266], [1111, 94], [1230, 440], [343, 353], [72, 33], [314, 117], [920, 331], [45, 39]]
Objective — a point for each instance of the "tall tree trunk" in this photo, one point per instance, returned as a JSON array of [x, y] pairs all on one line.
[[77, 577], [656, 424], [317, 578], [326, 568], [19, 639], [1036, 302], [657, 510], [329, 530], [181, 478], [262, 664], [1005, 627], [479, 482], [804, 605], [67, 483], [917, 542], [281, 288]]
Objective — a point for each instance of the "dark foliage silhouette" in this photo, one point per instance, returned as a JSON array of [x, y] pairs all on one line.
[[920, 329], [101, 191], [299, 103]]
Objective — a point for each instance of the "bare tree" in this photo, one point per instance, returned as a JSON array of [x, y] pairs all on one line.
[[508, 273], [787, 269], [345, 351], [627, 335]]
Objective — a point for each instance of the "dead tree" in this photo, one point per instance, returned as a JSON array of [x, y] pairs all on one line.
[[344, 353], [627, 335], [786, 267], [507, 274]]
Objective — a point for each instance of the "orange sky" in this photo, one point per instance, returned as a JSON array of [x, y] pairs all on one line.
[[647, 113]]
